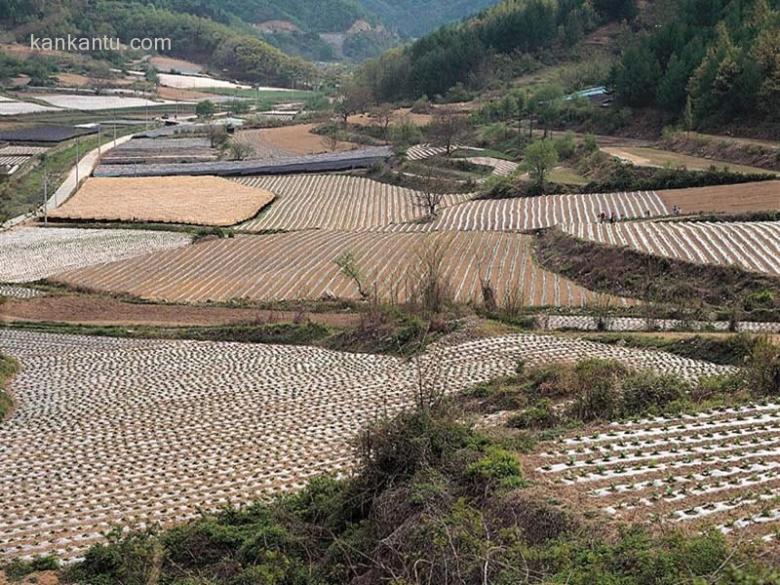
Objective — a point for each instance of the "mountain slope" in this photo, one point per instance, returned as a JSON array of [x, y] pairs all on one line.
[[232, 49], [471, 51], [414, 18]]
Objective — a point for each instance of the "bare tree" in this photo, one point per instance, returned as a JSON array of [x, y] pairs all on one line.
[[240, 150], [353, 99], [428, 285], [330, 141], [447, 128], [427, 198], [382, 116]]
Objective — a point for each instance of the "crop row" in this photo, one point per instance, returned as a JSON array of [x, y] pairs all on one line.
[[337, 202], [30, 254], [301, 265], [753, 246], [18, 292], [174, 427], [708, 469], [523, 213]]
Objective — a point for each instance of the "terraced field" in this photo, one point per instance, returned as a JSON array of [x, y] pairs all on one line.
[[335, 202], [30, 254], [301, 266], [536, 212], [174, 427], [718, 469], [18, 292], [753, 246], [211, 201]]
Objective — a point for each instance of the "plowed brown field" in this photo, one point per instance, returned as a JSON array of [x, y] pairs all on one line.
[[190, 200]]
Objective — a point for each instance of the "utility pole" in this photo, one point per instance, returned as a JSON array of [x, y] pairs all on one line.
[[77, 160], [100, 127], [114, 133]]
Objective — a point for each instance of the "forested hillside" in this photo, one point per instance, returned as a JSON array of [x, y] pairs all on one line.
[[240, 54], [469, 52], [414, 18], [709, 62]]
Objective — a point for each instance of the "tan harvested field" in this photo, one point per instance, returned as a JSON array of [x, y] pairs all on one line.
[[210, 201], [761, 196], [184, 95], [116, 431], [165, 64], [335, 202], [657, 158], [108, 311], [287, 140], [400, 115], [753, 246], [300, 265]]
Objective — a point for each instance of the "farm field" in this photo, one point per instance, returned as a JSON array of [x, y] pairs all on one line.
[[163, 63], [717, 469], [743, 198], [26, 306], [152, 442], [14, 108], [211, 201], [335, 202], [754, 246], [301, 266], [653, 157], [30, 254], [17, 292], [195, 82], [287, 141], [96, 102], [525, 213]]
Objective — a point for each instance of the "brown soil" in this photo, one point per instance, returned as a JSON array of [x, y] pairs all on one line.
[[763, 196], [183, 95], [108, 311], [165, 64], [43, 578], [287, 140], [73, 80], [191, 200], [399, 115]]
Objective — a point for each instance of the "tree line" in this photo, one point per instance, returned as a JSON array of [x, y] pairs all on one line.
[[711, 62], [467, 52]]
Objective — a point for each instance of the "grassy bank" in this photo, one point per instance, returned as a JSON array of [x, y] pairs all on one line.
[[24, 192], [629, 273], [8, 368]]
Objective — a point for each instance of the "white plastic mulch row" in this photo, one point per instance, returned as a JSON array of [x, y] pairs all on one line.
[[589, 323], [753, 246], [30, 254], [706, 467], [117, 431], [18, 292]]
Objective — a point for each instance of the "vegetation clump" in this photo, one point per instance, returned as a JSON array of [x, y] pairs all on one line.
[[8, 368]]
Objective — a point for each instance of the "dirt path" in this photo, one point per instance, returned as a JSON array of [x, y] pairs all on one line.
[[107, 311]]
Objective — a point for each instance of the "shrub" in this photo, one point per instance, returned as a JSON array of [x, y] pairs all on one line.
[[646, 392], [595, 387], [540, 415], [497, 467], [762, 368]]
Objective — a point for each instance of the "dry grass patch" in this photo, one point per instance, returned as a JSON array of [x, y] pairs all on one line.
[[761, 196], [288, 141], [192, 200]]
